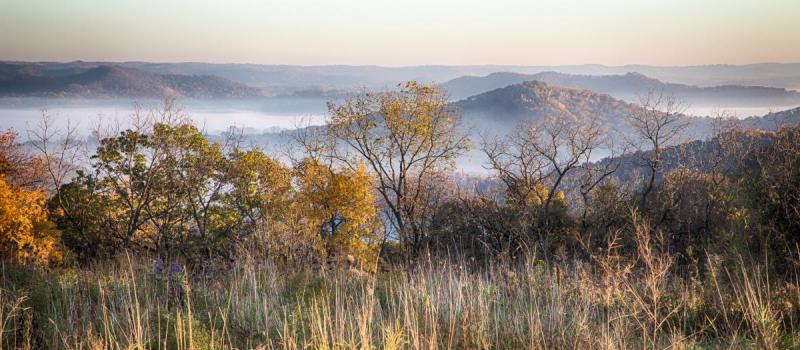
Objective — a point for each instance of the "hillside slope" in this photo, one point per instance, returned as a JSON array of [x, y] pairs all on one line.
[[116, 81], [630, 87], [502, 109]]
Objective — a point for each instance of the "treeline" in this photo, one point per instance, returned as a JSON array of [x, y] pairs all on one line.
[[160, 187], [375, 186]]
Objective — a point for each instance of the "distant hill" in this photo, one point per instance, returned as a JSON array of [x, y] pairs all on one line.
[[282, 79], [699, 154], [630, 87], [344, 76], [773, 121], [504, 108], [115, 81]]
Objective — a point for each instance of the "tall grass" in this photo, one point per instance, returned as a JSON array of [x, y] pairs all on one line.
[[441, 306], [609, 301]]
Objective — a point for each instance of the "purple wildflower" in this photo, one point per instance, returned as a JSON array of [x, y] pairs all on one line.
[[158, 266], [175, 269]]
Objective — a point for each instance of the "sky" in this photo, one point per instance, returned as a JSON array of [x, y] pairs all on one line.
[[403, 32]]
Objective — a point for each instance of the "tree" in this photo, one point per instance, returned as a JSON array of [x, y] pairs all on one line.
[[26, 234], [136, 179], [404, 137], [534, 161], [341, 206], [196, 169], [74, 206], [18, 166], [697, 209], [593, 175], [656, 125], [260, 192], [128, 171], [773, 184], [83, 217]]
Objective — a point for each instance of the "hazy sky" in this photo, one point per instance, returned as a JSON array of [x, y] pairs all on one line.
[[403, 32]]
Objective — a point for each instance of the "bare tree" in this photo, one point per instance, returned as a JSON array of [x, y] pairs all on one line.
[[315, 142], [534, 161], [63, 151], [658, 124], [591, 175]]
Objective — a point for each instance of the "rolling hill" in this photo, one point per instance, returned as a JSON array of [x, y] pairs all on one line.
[[505, 107], [282, 79], [629, 87], [116, 81], [773, 121], [502, 109]]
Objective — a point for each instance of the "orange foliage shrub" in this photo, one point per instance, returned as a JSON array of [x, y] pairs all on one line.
[[26, 234]]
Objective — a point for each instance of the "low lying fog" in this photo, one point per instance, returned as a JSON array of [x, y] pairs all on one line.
[[254, 117], [214, 117]]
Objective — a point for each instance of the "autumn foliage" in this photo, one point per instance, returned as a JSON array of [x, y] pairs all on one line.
[[363, 236], [376, 187], [342, 207], [26, 233]]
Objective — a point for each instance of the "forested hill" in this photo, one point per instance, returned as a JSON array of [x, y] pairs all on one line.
[[629, 87], [501, 110], [116, 81], [533, 99]]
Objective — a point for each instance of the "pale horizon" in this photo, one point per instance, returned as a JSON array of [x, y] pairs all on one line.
[[407, 65], [400, 34]]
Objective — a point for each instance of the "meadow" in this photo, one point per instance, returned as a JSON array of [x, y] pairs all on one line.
[[533, 305]]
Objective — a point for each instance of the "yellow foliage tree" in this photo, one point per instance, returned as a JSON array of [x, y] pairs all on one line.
[[341, 206], [26, 234], [406, 137]]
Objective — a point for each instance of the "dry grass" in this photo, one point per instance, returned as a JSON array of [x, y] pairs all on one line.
[[608, 303]]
